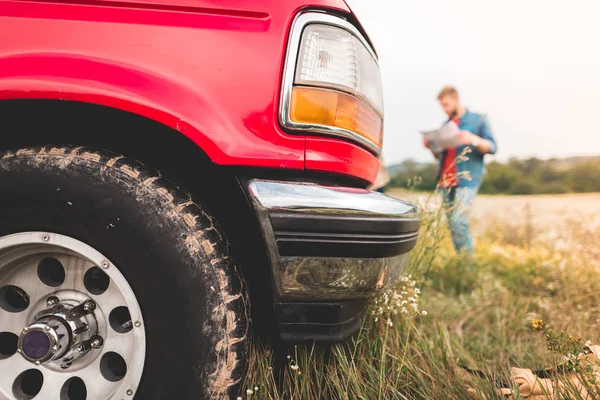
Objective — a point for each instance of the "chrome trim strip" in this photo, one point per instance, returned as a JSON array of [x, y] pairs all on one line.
[[289, 69], [306, 197]]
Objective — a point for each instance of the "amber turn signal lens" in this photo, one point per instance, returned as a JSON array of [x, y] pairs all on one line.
[[318, 106]]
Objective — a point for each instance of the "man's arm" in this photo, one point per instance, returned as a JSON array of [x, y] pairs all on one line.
[[487, 137]]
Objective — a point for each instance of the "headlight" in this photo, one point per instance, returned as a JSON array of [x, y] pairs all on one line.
[[332, 83]]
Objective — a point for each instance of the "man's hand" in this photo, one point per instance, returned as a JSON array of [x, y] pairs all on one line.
[[465, 137], [468, 138]]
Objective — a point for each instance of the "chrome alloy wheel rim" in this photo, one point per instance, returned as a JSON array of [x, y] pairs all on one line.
[[71, 327]]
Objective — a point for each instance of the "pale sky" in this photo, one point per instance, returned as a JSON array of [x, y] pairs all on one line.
[[533, 66]]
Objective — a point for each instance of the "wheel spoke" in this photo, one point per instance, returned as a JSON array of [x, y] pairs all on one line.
[[53, 382], [11, 368], [97, 387], [26, 278], [75, 268], [119, 343], [13, 322], [110, 299]]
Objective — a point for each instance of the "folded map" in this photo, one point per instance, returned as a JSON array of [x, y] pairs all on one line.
[[446, 136]]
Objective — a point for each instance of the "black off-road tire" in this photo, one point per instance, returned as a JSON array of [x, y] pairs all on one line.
[[169, 249]]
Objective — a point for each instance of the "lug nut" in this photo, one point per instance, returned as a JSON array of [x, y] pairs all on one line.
[[47, 328], [89, 306], [104, 264], [52, 300], [96, 342]]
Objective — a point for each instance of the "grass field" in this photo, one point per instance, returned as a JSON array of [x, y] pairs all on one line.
[[537, 257]]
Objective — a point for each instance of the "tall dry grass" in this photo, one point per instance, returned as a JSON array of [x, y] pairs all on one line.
[[473, 313]]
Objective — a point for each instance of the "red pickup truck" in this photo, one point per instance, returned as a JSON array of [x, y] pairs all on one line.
[[164, 165]]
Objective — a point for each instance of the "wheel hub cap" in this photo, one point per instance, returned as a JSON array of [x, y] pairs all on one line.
[[37, 345], [61, 333]]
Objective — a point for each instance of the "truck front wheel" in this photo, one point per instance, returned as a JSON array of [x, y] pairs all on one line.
[[114, 283]]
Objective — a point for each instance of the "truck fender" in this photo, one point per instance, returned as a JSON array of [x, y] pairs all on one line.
[[126, 87]]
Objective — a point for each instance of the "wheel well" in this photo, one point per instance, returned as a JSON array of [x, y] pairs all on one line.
[[42, 122], [27, 123]]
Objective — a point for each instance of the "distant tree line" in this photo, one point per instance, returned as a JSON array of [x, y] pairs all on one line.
[[517, 176]]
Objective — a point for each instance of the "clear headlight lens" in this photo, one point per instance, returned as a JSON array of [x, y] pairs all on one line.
[[333, 57], [335, 85]]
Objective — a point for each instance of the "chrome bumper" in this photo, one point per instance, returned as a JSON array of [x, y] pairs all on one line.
[[332, 243]]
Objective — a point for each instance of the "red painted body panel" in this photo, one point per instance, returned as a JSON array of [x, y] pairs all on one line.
[[207, 68], [332, 155]]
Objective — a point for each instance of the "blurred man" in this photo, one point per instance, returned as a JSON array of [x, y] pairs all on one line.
[[461, 168]]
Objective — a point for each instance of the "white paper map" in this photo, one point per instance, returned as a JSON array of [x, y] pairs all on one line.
[[446, 136]]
